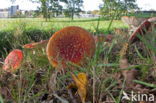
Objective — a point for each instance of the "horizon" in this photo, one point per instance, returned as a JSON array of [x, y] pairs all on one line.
[[87, 6]]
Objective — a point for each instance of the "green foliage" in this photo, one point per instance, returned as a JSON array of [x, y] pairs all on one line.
[[73, 7], [44, 8], [130, 5], [6, 42], [117, 8], [48, 7], [54, 8], [1, 99]]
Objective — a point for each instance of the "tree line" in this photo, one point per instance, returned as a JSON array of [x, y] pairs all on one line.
[[109, 8], [55, 7], [49, 8], [116, 8]]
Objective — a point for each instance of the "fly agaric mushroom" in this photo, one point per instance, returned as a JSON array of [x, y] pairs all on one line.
[[13, 60], [145, 27], [71, 44], [40, 44], [141, 30]]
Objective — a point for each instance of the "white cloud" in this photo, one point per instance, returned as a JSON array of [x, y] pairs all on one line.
[[26, 4], [147, 4], [23, 4], [92, 4], [4, 3], [144, 4]]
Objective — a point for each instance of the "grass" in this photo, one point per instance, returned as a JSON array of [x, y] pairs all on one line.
[[56, 24], [142, 15], [37, 80]]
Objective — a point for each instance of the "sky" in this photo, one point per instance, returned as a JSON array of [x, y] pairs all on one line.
[[88, 4]]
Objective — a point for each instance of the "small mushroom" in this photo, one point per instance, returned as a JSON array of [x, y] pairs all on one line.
[[13, 60], [146, 26], [71, 44], [41, 44]]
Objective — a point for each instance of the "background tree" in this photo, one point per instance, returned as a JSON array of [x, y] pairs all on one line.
[[111, 7], [49, 7], [55, 7], [117, 7], [130, 4], [95, 12], [73, 7], [44, 8]]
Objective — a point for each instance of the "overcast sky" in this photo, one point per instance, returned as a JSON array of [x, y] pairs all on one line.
[[88, 4]]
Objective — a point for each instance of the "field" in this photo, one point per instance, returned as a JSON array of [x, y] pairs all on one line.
[[90, 24], [115, 68]]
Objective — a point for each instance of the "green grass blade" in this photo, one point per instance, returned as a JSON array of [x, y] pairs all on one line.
[[1, 99], [145, 83]]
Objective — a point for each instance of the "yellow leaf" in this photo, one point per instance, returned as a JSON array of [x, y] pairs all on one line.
[[81, 82]]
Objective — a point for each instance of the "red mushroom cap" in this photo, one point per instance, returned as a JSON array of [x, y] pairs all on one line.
[[141, 30], [70, 44], [13, 60]]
